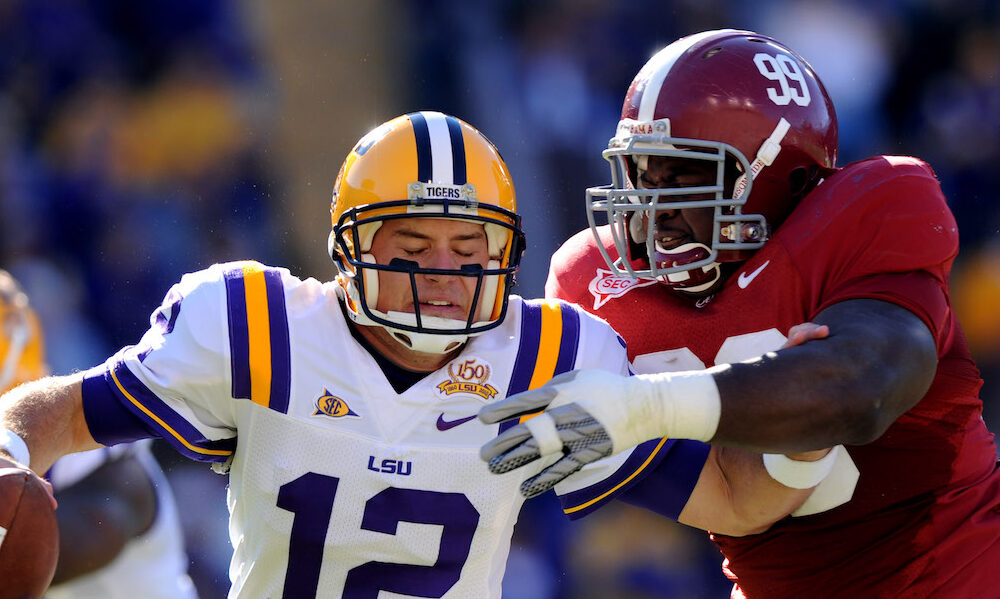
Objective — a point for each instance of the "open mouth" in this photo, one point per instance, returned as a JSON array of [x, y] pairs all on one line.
[[668, 240], [439, 307]]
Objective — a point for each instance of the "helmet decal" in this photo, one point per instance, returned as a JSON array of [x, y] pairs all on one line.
[[440, 148], [658, 67]]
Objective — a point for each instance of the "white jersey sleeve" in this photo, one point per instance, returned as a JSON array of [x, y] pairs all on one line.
[[210, 342]]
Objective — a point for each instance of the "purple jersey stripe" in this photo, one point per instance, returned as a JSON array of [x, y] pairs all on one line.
[[527, 353], [569, 341], [281, 353], [162, 419], [109, 420], [659, 475], [666, 489], [239, 333], [644, 456]]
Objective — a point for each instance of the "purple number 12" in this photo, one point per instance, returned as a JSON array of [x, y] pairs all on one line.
[[310, 497]]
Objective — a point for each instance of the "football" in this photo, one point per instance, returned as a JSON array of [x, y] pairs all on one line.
[[29, 535]]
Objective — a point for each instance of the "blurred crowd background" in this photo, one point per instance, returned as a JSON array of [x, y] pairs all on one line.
[[143, 140]]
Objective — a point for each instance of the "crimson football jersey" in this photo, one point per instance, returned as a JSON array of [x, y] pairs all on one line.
[[924, 519]]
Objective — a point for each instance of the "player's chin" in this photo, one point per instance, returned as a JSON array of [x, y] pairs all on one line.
[[452, 312]]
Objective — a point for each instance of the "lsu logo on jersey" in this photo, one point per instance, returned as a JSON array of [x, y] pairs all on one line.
[[607, 285], [333, 406], [468, 376]]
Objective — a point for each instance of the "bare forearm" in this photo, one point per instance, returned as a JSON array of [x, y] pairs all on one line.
[[877, 363], [764, 409], [48, 415], [735, 496]]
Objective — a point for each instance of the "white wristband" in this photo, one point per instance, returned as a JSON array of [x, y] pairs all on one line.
[[15, 446], [683, 405], [799, 474]]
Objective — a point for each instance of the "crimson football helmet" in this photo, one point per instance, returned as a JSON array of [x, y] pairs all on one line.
[[424, 165], [21, 346], [740, 100]]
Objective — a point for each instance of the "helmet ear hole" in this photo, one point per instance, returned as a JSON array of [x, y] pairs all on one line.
[[488, 295], [371, 281], [798, 180]]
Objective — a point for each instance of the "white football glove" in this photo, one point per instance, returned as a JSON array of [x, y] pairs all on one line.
[[591, 414]]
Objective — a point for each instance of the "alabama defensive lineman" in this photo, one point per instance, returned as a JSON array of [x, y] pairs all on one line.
[[345, 412], [725, 223]]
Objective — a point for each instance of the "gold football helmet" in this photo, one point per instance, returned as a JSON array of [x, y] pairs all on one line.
[[21, 346], [420, 165]]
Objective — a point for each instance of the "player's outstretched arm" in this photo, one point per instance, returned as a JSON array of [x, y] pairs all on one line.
[[877, 362], [736, 496], [48, 415], [736, 493]]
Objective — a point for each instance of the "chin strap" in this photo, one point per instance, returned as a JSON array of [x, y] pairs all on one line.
[[765, 157], [431, 343], [676, 279]]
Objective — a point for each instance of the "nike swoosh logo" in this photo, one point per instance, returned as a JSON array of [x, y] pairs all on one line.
[[444, 425], [745, 278]]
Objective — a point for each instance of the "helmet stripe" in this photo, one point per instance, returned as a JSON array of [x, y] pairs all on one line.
[[660, 64], [441, 155], [440, 148], [420, 131], [457, 150]]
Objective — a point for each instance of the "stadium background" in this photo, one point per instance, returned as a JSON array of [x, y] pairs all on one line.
[[142, 140]]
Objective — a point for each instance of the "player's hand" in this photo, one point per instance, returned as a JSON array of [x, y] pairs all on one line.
[[807, 331], [567, 430]]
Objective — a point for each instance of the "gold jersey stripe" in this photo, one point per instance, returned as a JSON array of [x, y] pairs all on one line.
[[258, 333]]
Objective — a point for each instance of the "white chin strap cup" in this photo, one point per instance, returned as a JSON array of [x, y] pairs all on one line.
[[434, 343]]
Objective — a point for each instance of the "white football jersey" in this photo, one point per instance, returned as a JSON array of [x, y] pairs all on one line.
[[152, 565], [339, 486]]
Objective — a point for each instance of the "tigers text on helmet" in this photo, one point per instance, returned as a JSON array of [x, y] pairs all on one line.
[[740, 100], [424, 165], [21, 346]]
